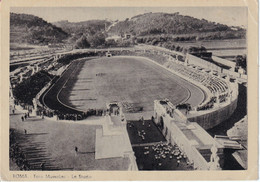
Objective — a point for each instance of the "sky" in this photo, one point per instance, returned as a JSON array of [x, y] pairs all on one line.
[[232, 16]]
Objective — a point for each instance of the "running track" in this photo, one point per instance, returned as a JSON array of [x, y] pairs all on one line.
[[53, 100]]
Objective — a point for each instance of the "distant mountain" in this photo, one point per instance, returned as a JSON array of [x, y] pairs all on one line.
[[31, 29], [164, 23], [166, 27]]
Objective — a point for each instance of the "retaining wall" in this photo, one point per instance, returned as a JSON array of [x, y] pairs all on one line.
[[215, 116], [211, 118], [173, 134]]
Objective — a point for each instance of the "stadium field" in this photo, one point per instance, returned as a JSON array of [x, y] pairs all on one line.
[[134, 81]]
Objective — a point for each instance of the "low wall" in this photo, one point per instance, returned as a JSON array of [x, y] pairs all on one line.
[[234, 74], [47, 86], [192, 153], [205, 64], [214, 117], [225, 62], [244, 76], [202, 63]]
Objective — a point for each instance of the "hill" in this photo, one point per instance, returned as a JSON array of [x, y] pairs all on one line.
[[31, 29], [87, 28], [174, 24], [151, 28], [90, 26]]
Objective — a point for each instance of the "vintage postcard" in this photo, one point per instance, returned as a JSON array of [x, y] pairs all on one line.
[[129, 90]]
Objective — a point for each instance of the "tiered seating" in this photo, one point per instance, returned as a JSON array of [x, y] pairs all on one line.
[[21, 54], [216, 86]]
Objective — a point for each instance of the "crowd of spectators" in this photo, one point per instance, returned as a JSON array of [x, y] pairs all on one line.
[[73, 115], [66, 59], [208, 105], [25, 91], [16, 154], [223, 98]]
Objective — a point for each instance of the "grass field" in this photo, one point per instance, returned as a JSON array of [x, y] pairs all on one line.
[[149, 162], [134, 81], [152, 133]]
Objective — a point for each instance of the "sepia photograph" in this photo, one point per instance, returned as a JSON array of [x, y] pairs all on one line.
[[128, 89]]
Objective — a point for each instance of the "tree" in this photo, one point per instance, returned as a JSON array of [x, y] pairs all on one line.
[[241, 61], [111, 43], [139, 40], [177, 48], [173, 47], [184, 50], [203, 49], [126, 43], [82, 43], [97, 39], [155, 41]]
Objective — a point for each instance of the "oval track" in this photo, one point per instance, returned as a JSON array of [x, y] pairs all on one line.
[[51, 97], [58, 96]]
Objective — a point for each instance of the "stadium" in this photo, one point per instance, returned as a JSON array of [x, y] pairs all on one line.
[[133, 102]]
